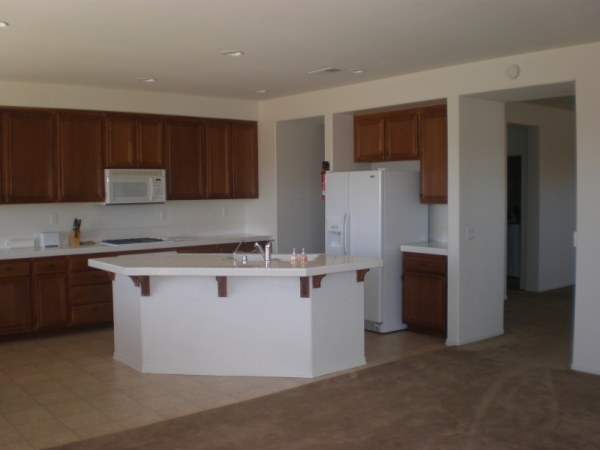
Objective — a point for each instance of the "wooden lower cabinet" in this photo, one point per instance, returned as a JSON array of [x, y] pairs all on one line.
[[90, 291], [424, 293], [15, 297], [50, 293]]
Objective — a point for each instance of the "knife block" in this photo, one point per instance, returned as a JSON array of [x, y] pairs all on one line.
[[74, 238]]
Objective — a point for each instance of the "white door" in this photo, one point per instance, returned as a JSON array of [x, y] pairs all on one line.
[[336, 212]]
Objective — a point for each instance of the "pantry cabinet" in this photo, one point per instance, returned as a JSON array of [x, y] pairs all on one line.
[[231, 159], [424, 292], [28, 156], [15, 297], [185, 158], [433, 145], [80, 150], [50, 293], [388, 136], [134, 141]]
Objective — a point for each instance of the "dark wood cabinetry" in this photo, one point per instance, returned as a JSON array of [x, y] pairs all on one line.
[[419, 133], [134, 141], [80, 138], [15, 297], [29, 158], [185, 158], [389, 136], [90, 291], [231, 159], [59, 155], [424, 292], [433, 145], [50, 293]]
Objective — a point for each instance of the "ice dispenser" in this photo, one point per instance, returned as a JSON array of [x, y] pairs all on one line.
[[334, 235]]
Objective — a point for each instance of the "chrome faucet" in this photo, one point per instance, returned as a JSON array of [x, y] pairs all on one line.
[[266, 253], [236, 249]]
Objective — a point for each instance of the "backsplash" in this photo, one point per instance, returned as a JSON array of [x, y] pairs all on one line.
[[174, 218], [438, 223]]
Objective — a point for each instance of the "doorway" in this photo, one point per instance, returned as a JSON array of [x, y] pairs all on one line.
[[513, 226]]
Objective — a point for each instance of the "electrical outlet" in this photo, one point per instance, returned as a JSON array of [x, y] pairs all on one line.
[[163, 214], [470, 234], [225, 212], [53, 218]]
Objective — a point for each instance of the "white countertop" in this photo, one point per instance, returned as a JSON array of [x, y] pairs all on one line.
[[172, 242], [428, 247], [167, 264]]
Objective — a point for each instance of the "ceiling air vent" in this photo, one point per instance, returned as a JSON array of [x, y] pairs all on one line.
[[324, 71]]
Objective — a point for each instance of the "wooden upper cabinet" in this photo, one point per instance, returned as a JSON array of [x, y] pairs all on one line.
[[401, 136], [369, 134], [80, 150], [433, 144], [244, 144], [184, 148], [231, 159], [388, 136], [134, 141], [29, 156], [218, 159]]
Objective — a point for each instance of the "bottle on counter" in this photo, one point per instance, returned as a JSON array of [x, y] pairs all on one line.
[[303, 258], [294, 256]]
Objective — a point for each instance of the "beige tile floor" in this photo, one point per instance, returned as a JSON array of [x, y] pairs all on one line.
[[60, 389]]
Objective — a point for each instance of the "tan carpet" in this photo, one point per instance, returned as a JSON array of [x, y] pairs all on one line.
[[510, 392]]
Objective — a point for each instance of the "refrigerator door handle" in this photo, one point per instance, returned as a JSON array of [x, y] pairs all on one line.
[[346, 234]]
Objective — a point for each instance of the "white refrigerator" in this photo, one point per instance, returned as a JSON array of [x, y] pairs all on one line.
[[371, 213]]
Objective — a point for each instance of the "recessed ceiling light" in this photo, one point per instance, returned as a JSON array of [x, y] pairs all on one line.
[[232, 53], [4, 24], [147, 80], [356, 71], [261, 91]]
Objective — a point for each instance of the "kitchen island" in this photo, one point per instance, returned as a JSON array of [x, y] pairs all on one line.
[[212, 314]]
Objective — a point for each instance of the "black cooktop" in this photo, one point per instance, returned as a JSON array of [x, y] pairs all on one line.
[[141, 240]]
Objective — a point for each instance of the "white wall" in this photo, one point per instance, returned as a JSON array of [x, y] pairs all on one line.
[[480, 269], [543, 74], [553, 254], [181, 216], [300, 209]]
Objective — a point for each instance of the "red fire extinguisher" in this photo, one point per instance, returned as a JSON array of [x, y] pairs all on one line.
[[324, 169]]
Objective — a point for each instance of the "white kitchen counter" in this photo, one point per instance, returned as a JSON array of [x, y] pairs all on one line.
[[428, 247], [206, 314], [172, 242]]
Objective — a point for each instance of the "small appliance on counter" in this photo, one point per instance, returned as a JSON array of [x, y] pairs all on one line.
[[49, 239]]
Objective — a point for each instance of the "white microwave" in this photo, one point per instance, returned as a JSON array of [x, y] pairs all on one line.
[[128, 186]]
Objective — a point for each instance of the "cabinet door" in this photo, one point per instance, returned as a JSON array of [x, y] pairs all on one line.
[[29, 156], [369, 135], [401, 136], [218, 159], [15, 311], [244, 153], [149, 142], [185, 159], [50, 300], [424, 300], [120, 141], [433, 144], [80, 157]]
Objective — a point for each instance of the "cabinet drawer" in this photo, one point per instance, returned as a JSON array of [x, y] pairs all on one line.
[[419, 262], [52, 265], [79, 263], [97, 293], [14, 269], [96, 313], [91, 277]]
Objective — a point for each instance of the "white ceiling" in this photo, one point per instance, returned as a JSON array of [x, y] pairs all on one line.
[[113, 43]]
